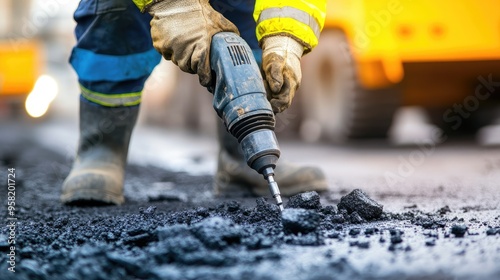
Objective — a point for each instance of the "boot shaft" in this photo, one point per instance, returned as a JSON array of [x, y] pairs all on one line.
[[107, 127]]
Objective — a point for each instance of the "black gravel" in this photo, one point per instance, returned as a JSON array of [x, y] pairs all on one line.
[[364, 207], [306, 200], [459, 230], [189, 234], [300, 220], [493, 231]]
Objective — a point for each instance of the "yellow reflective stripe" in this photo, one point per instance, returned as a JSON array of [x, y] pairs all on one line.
[[142, 4], [291, 19], [315, 8], [288, 27], [119, 95], [112, 100], [291, 12]]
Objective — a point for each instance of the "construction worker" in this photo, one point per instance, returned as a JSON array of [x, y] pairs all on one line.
[[114, 56]]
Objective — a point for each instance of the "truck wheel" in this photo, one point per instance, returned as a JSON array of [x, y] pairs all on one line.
[[336, 106]]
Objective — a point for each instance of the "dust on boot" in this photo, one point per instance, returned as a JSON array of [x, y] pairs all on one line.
[[98, 171]]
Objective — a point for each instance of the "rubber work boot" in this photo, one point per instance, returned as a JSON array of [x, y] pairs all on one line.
[[99, 168], [235, 177]]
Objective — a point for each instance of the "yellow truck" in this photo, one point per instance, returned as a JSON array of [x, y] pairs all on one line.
[[20, 63], [377, 55], [19, 69]]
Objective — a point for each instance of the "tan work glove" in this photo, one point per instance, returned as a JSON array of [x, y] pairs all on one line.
[[281, 65], [182, 32]]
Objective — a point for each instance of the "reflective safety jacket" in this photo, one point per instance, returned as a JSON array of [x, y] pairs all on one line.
[[300, 19]]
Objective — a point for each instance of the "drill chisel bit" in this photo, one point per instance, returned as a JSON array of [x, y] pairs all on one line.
[[273, 186]]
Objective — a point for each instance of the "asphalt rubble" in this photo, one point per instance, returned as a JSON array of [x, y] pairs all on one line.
[[141, 244], [227, 240], [181, 245]]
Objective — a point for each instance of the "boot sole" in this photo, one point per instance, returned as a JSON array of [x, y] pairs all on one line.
[[92, 198]]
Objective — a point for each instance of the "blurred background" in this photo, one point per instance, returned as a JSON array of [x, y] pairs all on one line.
[[395, 72], [400, 98]]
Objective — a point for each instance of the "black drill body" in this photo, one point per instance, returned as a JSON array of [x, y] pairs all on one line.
[[240, 101]]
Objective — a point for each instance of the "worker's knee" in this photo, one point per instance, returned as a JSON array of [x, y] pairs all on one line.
[[114, 27]]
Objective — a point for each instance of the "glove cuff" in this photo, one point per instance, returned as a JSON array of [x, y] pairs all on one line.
[[282, 45], [173, 6]]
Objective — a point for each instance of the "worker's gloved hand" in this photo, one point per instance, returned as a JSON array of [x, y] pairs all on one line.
[[182, 32], [281, 65]]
